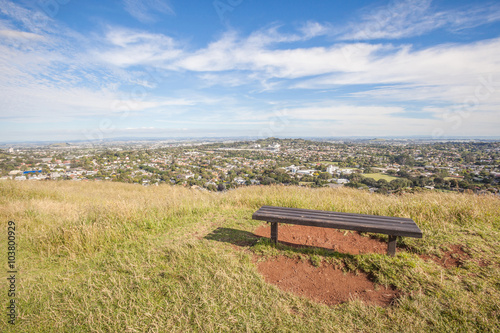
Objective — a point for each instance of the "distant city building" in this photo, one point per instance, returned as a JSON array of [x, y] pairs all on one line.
[[346, 171], [240, 181], [332, 169], [292, 169], [306, 172]]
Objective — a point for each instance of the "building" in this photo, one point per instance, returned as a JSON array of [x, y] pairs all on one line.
[[240, 181], [346, 171], [331, 169], [306, 172], [292, 169]]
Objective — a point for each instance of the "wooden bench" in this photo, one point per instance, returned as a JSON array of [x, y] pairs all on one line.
[[392, 226]]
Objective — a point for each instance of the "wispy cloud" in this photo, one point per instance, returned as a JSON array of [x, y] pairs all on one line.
[[437, 73], [259, 53], [14, 34], [147, 11], [31, 20], [49, 71], [454, 67], [126, 47], [408, 18], [312, 29]]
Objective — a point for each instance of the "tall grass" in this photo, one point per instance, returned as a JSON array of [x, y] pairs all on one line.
[[100, 257]]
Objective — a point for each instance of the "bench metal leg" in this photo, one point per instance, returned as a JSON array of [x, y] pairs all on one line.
[[274, 232], [391, 246]]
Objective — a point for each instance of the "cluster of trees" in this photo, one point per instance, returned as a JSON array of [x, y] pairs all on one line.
[[382, 185], [407, 181]]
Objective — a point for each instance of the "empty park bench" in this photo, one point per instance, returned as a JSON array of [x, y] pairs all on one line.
[[392, 226]]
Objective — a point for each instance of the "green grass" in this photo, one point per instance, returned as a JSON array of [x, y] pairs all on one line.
[[378, 176], [107, 257], [328, 163]]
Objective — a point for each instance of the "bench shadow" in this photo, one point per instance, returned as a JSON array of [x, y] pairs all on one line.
[[233, 236], [244, 239]]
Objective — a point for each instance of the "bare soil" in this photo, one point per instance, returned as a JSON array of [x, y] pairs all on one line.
[[338, 240], [456, 257], [449, 259], [325, 284]]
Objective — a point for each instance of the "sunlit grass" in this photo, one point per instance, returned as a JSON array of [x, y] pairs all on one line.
[[378, 176], [106, 257]]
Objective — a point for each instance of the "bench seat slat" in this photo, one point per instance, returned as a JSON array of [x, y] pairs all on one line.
[[360, 222], [349, 226], [312, 219]]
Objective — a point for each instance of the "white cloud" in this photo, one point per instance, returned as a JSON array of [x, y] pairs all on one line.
[[38, 100], [450, 70], [130, 48], [407, 18], [444, 72], [313, 29], [33, 21], [146, 11], [225, 79], [256, 53], [49, 77], [20, 35]]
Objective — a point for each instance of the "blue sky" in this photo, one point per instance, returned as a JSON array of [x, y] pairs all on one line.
[[87, 70]]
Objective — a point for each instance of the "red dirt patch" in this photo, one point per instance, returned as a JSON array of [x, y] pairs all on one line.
[[453, 258], [340, 241], [323, 284]]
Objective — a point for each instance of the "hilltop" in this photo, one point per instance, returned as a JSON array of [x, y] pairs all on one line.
[[102, 256]]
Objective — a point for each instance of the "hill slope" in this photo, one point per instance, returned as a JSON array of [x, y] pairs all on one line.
[[119, 257]]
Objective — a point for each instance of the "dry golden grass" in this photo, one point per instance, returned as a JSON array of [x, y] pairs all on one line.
[[101, 257]]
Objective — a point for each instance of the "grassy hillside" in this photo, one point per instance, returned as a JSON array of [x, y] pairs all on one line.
[[106, 257]]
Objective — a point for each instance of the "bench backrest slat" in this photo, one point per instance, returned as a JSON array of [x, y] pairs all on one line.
[[313, 211], [394, 226], [352, 217]]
